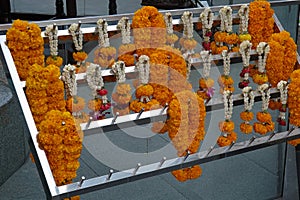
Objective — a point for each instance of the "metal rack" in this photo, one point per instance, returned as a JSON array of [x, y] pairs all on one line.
[[139, 172]]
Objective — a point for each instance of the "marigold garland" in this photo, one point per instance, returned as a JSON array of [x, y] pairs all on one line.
[[293, 102], [61, 139], [282, 58], [51, 32], [44, 91], [261, 21], [26, 45]]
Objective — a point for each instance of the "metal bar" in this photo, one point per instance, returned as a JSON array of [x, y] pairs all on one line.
[[143, 117], [117, 17], [5, 15], [173, 164]]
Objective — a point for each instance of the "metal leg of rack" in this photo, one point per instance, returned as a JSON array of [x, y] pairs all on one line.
[[59, 9], [5, 16], [112, 6], [71, 8]]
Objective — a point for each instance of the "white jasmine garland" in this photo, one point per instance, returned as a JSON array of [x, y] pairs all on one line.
[[264, 89], [188, 26], [226, 19], [69, 78], [101, 28], [206, 60], [226, 62], [169, 22], [119, 69], [77, 36], [94, 78], [51, 31], [282, 86], [245, 48], [228, 104], [263, 49], [124, 26], [248, 95], [244, 17], [143, 67], [206, 18]]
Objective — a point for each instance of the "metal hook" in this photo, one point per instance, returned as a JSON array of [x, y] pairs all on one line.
[[136, 168], [115, 118], [291, 130], [163, 109], [89, 122], [251, 140], [81, 181], [231, 145], [272, 135], [187, 155], [140, 113], [209, 151], [79, 25], [162, 162], [109, 174]]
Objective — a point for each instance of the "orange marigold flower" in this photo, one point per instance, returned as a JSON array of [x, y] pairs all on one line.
[[246, 128], [226, 126], [264, 117], [246, 116]]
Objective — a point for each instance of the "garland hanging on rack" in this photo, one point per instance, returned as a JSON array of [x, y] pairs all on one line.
[[99, 104], [282, 86], [207, 19], [282, 57], [265, 123], [122, 96], [171, 36], [126, 49], [227, 126], [293, 102], [51, 32], [145, 91], [26, 45], [79, 55], [206, 84], [245, 48], [263, 50], [105, 54], [225, 80], [261, 21], [243, 27], [247, 115]]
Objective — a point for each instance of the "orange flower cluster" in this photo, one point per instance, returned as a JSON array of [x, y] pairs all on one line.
[[261, 22], [229, 136], [282, 57], [61, 140], [105, 56], [187, 173], [144, 99], [223, 38], [26, 45], [246, 116], [186, 129], [44, 91], [125, 54], [265, 123], [95, 104], [260, 78], [54, 60], [149, 28], [293, 98], [186, 114], [122, 97], [226, 83], [205, 85]]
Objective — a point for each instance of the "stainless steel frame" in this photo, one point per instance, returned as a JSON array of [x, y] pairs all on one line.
[[140, 172]]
